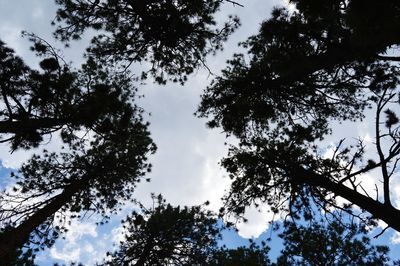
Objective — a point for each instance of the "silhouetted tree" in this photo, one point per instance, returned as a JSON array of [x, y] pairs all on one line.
[[173, 36], [313, 243], [106, 140], [37, 103], [330, 244], [321, 63], [97, 171], [253, 255], [167, 235]]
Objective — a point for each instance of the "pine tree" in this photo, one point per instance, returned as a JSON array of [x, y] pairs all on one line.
[[321, 64]]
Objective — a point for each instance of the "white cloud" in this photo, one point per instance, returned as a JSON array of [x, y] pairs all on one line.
[[79, 229], [117, 234], [395, 239], [290, 6], [70, 248], [88, 248], [257, 222], [396, 194], [66, 254], [382, 224]]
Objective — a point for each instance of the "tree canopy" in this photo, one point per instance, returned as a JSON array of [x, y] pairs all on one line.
[[168, 235], [173, 36], [105, 140], [55, 98], [329, 244], [306, 70], [94, 173], [251, 255], [309, 70]]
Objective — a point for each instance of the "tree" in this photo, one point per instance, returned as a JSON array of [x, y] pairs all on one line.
[[100, 167], [316, 243], [253, 255], [308, 69], [173, 36], [96, 172], [55, 188], [38, 103], [167, 235], [329, 244]]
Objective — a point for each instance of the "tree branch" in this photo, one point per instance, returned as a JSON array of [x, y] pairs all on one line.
[[388, 58], [384, 212]]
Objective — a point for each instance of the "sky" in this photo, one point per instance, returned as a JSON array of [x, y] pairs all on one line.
[[186, 167]]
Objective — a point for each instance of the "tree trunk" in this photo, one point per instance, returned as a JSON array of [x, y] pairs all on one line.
[[18, 236], [386, 213]]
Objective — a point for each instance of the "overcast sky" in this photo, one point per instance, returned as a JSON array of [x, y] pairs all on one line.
[[186, 169]]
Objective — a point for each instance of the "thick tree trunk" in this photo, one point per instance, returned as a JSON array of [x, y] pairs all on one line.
[[18, 236], [384, 212]]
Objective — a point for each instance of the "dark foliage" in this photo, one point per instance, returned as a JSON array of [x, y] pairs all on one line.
[[253, 255], [55, 98], [97, 171], [106, 141], [331, 244], [168, 235], [325, 62], [308, 70], [173, 36]]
